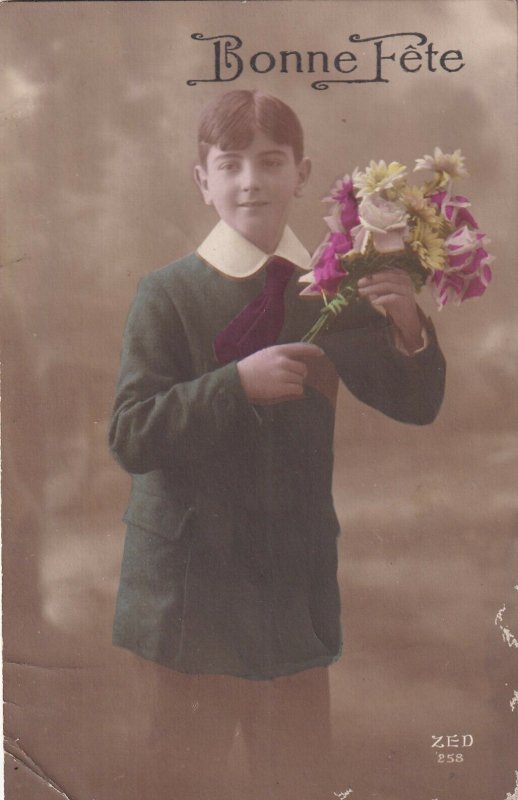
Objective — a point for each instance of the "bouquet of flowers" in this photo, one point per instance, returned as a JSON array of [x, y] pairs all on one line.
[[377, 221]]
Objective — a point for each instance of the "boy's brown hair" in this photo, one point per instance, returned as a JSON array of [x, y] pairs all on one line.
[[230, 122]]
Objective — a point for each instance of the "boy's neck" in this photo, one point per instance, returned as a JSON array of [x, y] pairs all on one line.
[[267, 244]]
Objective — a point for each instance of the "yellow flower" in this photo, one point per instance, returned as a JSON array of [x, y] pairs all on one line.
[[428, 244], [419, 206], [378, 176]]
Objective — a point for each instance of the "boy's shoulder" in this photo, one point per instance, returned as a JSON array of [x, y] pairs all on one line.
[[189, 267], [184, 275]]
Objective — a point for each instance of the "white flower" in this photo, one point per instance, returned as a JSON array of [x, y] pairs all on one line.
[[452, 164], [386, 220]]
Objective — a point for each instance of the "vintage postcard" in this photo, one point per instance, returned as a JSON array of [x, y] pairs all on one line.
[[313, 593]]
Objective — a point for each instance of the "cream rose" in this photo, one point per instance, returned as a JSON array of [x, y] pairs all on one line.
[[386, 220]]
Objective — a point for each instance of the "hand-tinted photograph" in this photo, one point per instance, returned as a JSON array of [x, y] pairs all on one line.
[[259, 443]]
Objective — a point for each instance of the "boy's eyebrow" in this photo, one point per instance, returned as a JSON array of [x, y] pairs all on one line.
[[228, 154], [239, 154], [272, 153]]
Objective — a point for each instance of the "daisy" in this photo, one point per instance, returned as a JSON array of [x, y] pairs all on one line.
[[449, 165], [428, 245], [419, 206], [377, 177]]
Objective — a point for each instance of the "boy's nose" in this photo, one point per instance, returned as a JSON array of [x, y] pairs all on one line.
[[249, 179]]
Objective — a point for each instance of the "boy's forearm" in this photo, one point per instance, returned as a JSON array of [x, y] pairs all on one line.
[[180, 426], [163, 417], [406, 388]]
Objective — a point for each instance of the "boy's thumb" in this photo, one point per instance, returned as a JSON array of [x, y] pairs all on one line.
[[300, 350]]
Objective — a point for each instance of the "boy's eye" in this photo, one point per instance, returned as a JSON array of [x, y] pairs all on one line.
[[272, 162], [228, 165]]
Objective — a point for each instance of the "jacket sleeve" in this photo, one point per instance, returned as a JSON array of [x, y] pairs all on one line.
[[164, 416], [406, 388]]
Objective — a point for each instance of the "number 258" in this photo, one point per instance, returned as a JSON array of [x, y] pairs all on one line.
[[449, 758]]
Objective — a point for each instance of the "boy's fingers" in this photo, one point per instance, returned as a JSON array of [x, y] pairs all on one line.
[[286, 391], [386, 287], [293, 388], [386, 299], [294, 368], [301, 350], [390, 275]]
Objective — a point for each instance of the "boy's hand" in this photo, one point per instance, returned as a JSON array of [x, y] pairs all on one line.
[[276, 373], [393, 291]]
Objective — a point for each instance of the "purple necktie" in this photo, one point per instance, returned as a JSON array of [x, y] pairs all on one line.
[[259, 324]]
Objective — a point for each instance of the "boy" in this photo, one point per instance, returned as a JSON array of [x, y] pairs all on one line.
[[226, 420]]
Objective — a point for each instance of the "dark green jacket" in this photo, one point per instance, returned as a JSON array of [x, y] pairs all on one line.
[[229, 563]]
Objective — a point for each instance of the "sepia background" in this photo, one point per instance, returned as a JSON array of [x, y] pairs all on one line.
[[97, 129]]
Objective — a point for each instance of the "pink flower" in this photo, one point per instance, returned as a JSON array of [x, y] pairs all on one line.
[[345, 208], [341, 191], [327, 269], [467, 272], [454, 209]]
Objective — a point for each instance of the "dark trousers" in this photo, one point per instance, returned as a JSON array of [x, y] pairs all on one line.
[[214, 737]]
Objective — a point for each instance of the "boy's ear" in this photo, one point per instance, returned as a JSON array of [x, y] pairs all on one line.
[[200, 179], [304, 170]]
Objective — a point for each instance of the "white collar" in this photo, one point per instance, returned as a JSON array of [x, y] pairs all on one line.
[[229, 252]]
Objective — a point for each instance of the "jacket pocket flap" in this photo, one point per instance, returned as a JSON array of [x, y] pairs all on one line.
[[157, 514]]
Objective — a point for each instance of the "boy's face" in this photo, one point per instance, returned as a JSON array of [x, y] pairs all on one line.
[[252, 189]]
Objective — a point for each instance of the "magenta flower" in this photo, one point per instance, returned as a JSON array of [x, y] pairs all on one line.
[[467, 273], [454, 209], [340, 191], [327, 269], [345, 209], [349, 213]]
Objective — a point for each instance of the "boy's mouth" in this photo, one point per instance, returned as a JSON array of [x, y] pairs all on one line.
[[253, 204]]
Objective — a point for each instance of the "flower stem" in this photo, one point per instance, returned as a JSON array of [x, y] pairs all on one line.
[[332, 308]]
